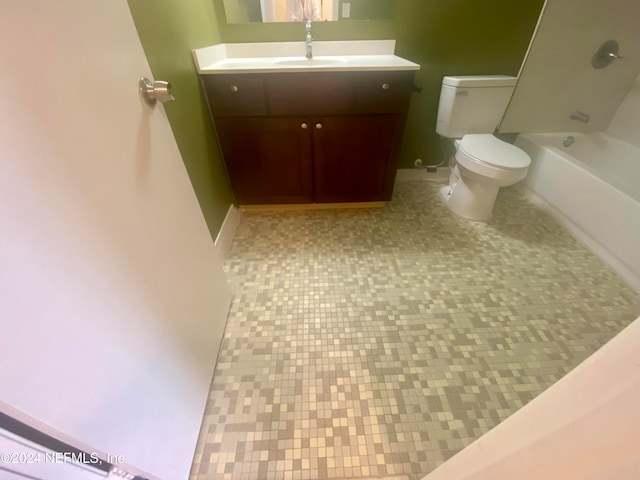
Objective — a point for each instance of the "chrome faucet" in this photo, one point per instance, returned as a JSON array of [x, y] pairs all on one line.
[[579, 116], [307, 42]]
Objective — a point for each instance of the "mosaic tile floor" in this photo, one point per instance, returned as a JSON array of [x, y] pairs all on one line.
[[372, 343]]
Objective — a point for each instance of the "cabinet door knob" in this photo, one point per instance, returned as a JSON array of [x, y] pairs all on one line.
[[234, 88], [385, 86], [318, 126], [304, 125]]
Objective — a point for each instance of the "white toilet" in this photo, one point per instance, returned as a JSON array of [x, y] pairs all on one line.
[[469, 111]]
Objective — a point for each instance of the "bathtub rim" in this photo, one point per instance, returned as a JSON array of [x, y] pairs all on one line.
[[566, 152]]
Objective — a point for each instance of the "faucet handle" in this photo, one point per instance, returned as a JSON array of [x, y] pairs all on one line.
[[308, 40]]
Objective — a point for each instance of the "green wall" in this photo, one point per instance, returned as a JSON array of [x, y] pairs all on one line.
[[446, 37], [169, 30]]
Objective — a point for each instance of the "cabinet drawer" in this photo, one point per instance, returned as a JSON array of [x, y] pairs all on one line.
[[309, 93], [231, 95], [383, 92]]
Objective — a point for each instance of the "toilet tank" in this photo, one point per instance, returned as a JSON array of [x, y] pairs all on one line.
[[472, 104]]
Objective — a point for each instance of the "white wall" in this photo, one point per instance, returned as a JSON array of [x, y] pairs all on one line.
[[585, 427], [557, 78], [626, 121], [112, 297]]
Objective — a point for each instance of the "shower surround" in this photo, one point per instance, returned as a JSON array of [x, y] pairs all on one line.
[[380, 342]]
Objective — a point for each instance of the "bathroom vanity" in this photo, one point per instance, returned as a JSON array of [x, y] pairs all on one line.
[[320, 130]]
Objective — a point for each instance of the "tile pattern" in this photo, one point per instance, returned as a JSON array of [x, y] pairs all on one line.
[[380, 342]]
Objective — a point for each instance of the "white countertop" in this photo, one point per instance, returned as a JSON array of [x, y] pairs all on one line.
[[328, 56]]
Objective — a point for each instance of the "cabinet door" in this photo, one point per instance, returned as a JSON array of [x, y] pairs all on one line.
[[268, 159], [356, 157]]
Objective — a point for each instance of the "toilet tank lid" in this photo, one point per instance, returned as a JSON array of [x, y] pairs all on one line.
[[480, 81]]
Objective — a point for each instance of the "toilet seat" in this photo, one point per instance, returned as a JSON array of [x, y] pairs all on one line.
[[491, 157]]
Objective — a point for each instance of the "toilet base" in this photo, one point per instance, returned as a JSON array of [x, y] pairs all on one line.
[[468, 198]]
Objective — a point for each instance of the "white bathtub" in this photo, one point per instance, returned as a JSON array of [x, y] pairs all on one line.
[[593, 188]]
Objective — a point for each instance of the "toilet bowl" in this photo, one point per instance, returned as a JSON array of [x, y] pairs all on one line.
[[483, 164], [470, 108]]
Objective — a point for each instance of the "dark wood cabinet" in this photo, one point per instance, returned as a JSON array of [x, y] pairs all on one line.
[[268, 159], [310, 137], [352, 157]]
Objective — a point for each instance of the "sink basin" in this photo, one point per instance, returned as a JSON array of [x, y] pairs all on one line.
[[310, 62]]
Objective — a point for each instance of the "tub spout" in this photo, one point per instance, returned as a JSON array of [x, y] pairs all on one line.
[[579, 116]]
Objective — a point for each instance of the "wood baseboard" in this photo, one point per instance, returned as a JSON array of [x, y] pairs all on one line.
[[309, 206]]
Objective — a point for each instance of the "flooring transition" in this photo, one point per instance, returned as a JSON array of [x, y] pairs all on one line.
[[373, 343]]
